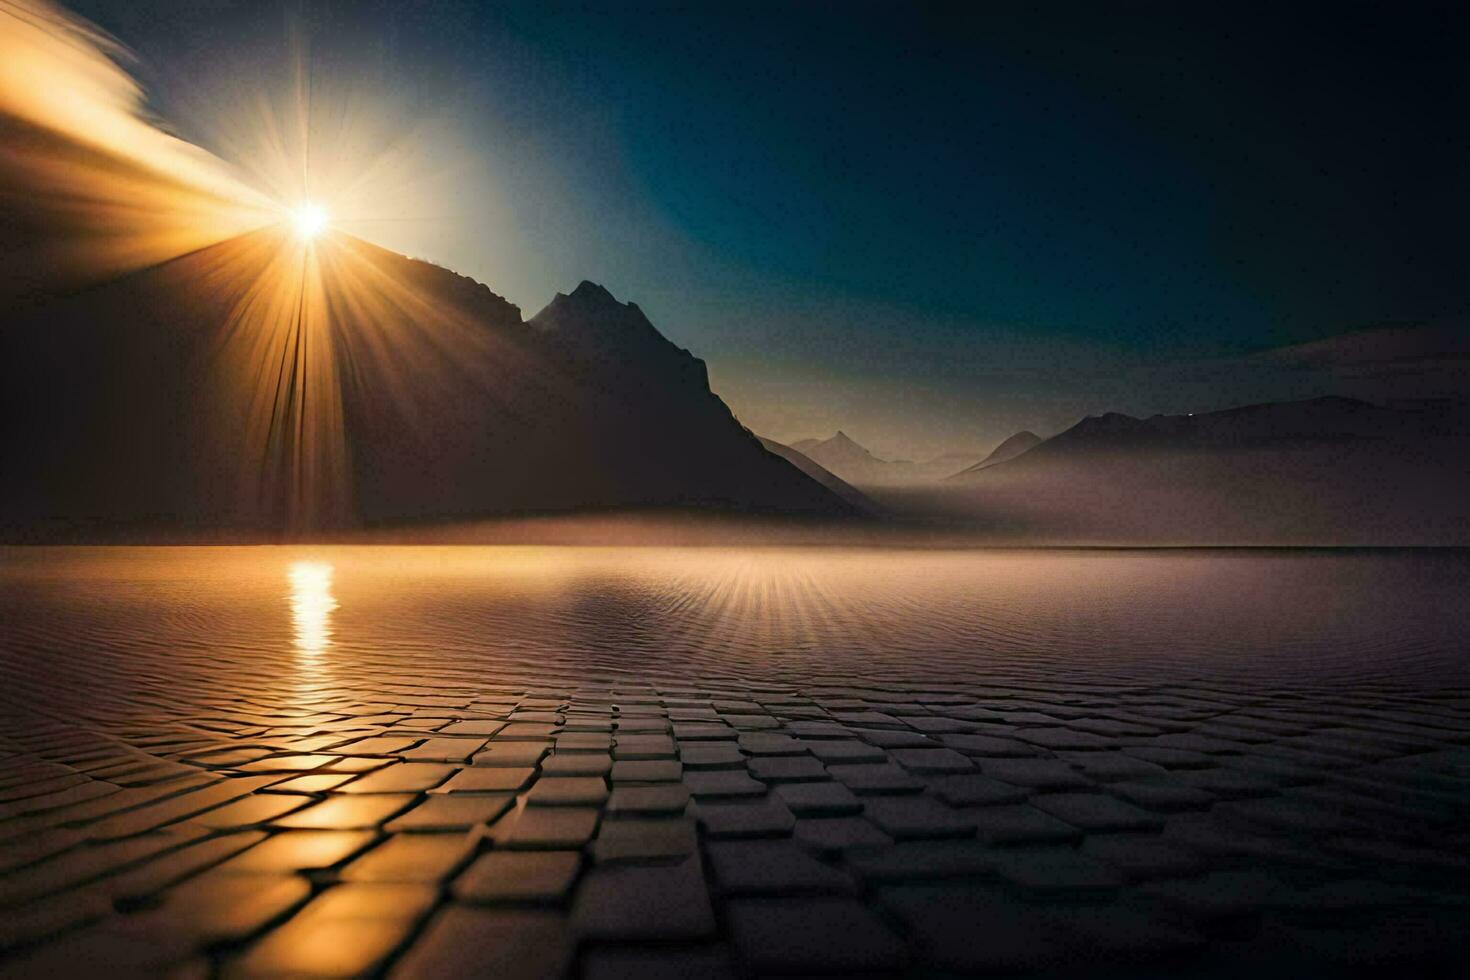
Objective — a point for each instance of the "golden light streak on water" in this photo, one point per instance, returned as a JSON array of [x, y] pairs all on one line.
[[312, 604]]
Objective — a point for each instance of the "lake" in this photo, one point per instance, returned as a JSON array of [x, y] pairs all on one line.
[[236, 620], [616, 761]]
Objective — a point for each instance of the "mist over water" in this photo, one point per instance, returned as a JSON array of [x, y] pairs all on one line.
[[97, 631]]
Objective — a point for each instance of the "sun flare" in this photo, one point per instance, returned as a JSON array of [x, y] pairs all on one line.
[[309, 220]]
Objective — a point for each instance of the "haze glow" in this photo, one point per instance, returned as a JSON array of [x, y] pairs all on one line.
[[309, 220]]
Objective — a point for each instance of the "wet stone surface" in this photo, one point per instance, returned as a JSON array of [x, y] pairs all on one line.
[[796, 829], [430, 816]]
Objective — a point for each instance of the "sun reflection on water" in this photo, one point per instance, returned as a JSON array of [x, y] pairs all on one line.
[[311, 604]]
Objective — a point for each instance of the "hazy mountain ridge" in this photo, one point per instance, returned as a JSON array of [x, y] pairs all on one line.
[[850, 461], [1010, 448], [1321, 471]]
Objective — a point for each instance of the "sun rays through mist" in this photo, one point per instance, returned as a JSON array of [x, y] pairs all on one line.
[[99, 189]]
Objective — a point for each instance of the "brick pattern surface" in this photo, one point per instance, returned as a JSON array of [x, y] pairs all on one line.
[[446, 824]]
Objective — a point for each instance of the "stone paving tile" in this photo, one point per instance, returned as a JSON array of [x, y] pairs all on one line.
[[468, 942], [723, 782], [347, 812], [347, 931], [624, 902], [311, 784], [849, 751], [910, 817], [804, 935], [818, 799], [975, 790], [1034, 773], [1096, 812], [382, 745], [485, 728], [773, 867], [768, 817], [512, 754], [424, 858], [300, 850], [566, 762], [217, 907], [457, 811], [428, 824], [519, 877], [634, 747], [710, 756], [831, 835], [493, 779], [251, 811], [922, 860], [409, 778], [789, 769], [568, 791], [646, 771], [883, 777], [546, 828], [1020, 824], [443, 750], [664, 799]]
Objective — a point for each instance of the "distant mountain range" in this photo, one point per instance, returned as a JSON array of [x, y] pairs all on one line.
[[851, 462], [1321, 471], [1012, 447], [221, 390]]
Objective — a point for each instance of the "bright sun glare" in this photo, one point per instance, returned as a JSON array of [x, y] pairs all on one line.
[[309, 220]]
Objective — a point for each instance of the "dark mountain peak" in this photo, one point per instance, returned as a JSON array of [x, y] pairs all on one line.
[[590, 309], [588, 291], [468, 412], [589, 326]]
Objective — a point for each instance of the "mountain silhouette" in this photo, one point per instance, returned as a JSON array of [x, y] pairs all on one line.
[[1320, 471], [821, 474], [1012, 447], [262, 385], [845, 458]]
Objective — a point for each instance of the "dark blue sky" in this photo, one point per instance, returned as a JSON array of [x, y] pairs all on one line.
[[926, 224]]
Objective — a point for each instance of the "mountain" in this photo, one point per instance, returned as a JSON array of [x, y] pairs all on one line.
[[819, 473], [1012, 447], [851, 462], [1322, 471], [262, 384]]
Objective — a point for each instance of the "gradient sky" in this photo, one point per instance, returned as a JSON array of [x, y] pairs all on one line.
[[928, 225]]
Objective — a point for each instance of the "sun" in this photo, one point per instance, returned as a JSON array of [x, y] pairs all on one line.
[[309, 220]]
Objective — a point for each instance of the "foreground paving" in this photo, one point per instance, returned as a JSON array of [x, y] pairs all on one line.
[[432, 829]]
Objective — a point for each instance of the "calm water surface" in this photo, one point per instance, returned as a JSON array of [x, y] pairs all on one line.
[[90, 629]]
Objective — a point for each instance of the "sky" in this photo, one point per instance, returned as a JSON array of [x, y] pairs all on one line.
[[927, 225]]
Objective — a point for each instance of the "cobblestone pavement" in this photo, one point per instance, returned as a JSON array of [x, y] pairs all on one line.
[[426, 823]]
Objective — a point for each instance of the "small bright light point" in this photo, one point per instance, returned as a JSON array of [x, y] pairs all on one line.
[[309, 220]]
